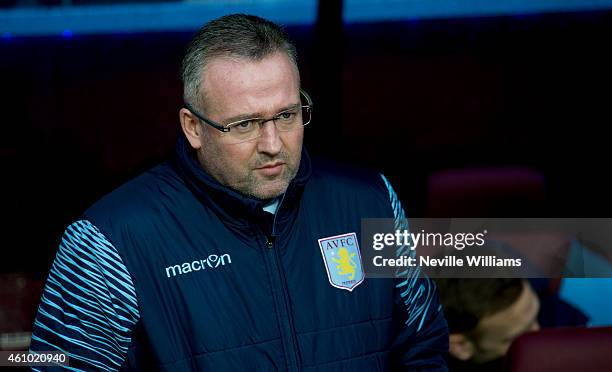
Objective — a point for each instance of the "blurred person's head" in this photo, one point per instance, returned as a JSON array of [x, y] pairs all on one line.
[[485, 315]]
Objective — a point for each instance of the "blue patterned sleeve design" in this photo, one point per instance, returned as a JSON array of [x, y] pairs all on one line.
[[417, 295], [88, 308], [423, 338]]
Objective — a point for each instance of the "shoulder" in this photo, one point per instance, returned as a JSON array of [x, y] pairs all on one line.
[[137, 199], [329, 173], [339, 180]]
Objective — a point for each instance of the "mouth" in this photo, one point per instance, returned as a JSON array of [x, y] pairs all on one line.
[[272, 169]]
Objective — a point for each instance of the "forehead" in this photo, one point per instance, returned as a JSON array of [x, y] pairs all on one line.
[[233, 86], [513, 319]]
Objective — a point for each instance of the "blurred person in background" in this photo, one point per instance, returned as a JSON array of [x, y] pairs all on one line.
[[486, 315]]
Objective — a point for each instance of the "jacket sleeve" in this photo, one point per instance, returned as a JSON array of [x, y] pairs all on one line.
[[422, 332], [88, 308]]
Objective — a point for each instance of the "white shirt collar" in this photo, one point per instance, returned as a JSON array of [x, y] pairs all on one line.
[[272, 206]]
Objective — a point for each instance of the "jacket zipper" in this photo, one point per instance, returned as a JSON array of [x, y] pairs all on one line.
[[288, 338]]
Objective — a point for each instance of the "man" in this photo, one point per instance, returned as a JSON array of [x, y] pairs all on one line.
[[486, 315], [240, 253]]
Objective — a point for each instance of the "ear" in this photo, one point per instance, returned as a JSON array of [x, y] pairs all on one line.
[[191, 127], [460, 346]]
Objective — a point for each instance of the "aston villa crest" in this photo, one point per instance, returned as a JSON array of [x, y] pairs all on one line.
[[342, 260]]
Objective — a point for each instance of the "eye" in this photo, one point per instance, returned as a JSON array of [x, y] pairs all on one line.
[[287, 115], [244, 126]]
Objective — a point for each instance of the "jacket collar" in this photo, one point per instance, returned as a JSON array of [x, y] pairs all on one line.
[[231, 206]]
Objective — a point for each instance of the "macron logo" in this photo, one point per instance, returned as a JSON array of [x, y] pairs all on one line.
[[213, 261]]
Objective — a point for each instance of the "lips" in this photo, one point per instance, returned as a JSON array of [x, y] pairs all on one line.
[[272, 169]]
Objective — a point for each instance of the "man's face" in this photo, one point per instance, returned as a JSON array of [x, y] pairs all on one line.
[[495, 333], [237, 89]]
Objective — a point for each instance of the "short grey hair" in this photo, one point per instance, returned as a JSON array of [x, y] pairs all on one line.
[[236, 35]]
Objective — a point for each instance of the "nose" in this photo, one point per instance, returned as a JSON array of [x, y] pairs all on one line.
[[270, 141]]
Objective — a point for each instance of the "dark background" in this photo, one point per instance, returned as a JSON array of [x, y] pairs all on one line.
[[517, 104]]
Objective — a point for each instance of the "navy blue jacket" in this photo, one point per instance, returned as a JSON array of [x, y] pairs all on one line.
[[173, 271]]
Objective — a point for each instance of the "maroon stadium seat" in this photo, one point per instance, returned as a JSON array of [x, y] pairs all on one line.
[[561, 350]]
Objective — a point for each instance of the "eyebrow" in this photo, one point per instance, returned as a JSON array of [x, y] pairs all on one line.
[[241, 117]]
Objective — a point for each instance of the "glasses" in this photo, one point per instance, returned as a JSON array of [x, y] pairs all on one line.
[[250, 129]]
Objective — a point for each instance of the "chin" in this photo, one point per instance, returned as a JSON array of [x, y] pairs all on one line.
[[270, 191]]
